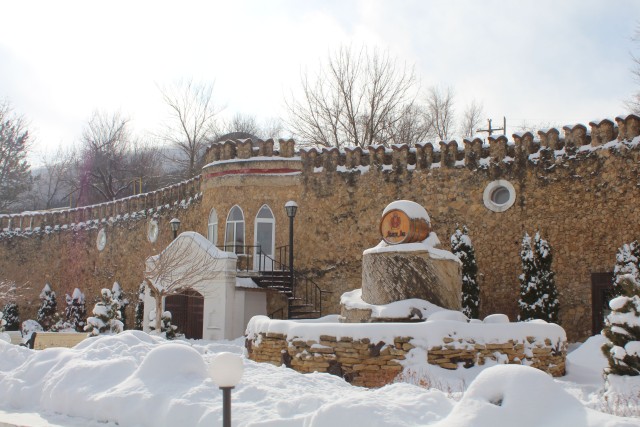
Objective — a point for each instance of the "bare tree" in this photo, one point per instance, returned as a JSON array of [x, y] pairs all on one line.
[[11, 291], [265, 129], [471, 118], [182, 265], [533, 127], [15, 174], [356, 98], [49, 184], [440, 112], [412, 127], [242, 123], [192, 122], [104, 173], [634, 102], [145, 163]]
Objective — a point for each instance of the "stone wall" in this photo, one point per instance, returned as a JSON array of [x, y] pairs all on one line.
[[579, 190], [66, 255], [374, 362]]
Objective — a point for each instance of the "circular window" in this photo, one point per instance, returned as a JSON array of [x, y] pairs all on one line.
[[101, 241], [499, 195], [152, 231]]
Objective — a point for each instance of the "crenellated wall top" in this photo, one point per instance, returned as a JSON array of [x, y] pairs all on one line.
[[552, 145], [173, 195], [547, 147]]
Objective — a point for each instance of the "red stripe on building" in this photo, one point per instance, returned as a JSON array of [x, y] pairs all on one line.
[[252, 172]]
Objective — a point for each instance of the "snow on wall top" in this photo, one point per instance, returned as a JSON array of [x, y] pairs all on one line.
[[430, 333]]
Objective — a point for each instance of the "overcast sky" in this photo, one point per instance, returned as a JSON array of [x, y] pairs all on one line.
[[541, 61]]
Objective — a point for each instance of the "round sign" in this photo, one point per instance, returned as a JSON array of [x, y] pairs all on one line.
[[152, 231], [396, 227], [101, 239]]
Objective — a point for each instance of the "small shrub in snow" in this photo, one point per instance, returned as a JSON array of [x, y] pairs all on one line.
[[462, 247], [106, 316], [139, 316], [11, 316], [622, 330], [627, 266], [166, 328], [120, 299], [75, 314], [47, 316], [2, 322], [538, 292]]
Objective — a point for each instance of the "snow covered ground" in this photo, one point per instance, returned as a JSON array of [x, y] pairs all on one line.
[[133, 379]]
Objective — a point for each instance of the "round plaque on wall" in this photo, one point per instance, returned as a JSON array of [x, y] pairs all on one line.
[[152, 231], [101, 240]]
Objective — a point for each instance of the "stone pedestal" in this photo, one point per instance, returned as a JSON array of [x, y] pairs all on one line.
[[399, 275]]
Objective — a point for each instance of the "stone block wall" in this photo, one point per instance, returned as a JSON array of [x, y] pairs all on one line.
[[65, 254], [375, 363], [572, 184], [359, 362], [542, 355]]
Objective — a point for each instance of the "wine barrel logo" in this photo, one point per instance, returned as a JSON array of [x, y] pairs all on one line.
[[396, 227]]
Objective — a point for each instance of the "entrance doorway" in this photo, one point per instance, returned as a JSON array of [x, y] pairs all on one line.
[[187, 312], [601, 294]]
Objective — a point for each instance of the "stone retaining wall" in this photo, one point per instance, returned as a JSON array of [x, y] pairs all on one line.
[[371, 363]]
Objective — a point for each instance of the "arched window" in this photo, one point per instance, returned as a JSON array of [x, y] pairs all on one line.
[[265, 236], [234, 234], [212, 231]]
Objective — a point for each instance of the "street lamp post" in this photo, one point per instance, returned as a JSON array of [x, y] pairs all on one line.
[[175, 225], [291, 207], [226, 370]]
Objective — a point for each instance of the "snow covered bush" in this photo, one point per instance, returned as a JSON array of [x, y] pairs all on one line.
[[139, 316], [627, 264], [75, 313], [47, 316], [462, 247], [538, 292], [106, 316], [166, 328], [120, 299], [11, 316], [622, 328], [2, 322]]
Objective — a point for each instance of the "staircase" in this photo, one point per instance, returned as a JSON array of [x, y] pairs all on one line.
[[304, 300]]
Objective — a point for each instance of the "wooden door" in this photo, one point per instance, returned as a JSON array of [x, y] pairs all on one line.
[[187, 312], [601, 293]]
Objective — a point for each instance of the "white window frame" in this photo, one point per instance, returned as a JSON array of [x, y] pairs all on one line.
[[232, 245], [272, 221], [212, 227], [488, 195]]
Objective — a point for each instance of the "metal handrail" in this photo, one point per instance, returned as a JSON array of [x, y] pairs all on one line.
[[316, 291], [246, 254], [303, 287]]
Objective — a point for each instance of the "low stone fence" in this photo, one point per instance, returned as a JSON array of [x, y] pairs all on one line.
[[58, 339], [372, 355], [50, 339]]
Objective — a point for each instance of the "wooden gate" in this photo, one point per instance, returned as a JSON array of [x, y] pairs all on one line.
[[187, 311], [601, 293]]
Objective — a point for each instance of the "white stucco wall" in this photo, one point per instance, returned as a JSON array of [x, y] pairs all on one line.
[[227, 308]]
